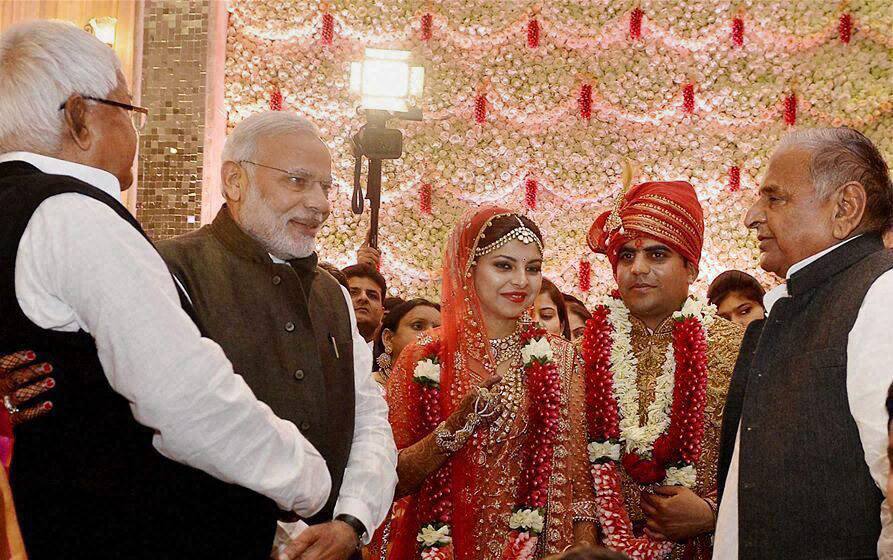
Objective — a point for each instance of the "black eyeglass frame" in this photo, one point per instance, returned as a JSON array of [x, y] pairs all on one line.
[[125, 106]]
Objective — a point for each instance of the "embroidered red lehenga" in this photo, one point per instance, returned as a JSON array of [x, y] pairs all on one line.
[[483, 477]]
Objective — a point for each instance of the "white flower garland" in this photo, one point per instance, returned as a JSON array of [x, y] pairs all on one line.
[[624, 365]]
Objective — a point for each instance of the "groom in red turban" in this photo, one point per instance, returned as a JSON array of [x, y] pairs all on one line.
[[666, 211], [653, 239]]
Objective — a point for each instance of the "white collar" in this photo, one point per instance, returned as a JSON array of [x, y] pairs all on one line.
[[781, 291], [98, 178]]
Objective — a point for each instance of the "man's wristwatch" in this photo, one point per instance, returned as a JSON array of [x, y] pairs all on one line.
[[356, 525]]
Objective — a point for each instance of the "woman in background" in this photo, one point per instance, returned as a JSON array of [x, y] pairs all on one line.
[[400, 327], [549, 309], [738, 297], [577, 315]]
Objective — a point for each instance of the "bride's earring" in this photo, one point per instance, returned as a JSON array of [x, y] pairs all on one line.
[[384, 360]]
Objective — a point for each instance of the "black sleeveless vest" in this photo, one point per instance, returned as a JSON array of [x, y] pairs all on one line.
[[285, 327], [86, 480], [804, 490]]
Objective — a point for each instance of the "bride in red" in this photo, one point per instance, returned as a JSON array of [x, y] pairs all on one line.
[[485, 412]]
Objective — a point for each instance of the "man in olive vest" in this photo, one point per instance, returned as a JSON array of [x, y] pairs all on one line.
[[803, 459], [287, 325]]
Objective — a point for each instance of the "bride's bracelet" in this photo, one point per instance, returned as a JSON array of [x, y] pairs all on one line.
[[453, 441]]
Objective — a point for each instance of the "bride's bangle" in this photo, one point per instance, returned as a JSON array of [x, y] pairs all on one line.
[[452, 442]]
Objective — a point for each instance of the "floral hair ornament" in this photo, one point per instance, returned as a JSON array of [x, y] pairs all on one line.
[[522, 233]]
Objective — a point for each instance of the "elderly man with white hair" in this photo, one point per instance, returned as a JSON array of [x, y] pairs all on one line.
[[287, 325], [154, 447], [803, 460]]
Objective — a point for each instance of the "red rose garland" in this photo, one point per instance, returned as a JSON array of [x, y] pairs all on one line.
[[674, 453], [543, 383]]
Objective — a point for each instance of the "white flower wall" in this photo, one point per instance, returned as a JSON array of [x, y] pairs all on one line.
[[533, 107]]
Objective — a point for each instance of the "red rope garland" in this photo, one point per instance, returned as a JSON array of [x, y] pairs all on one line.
[[585, 101], [735, 178], [427, 26], [328, 28], [688, 98], [635, 23], [845, 28], [738, 31], [790, 109], [585, 273], [533, 33]]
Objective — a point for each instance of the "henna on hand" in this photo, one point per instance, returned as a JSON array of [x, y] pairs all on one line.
[[22, 381]]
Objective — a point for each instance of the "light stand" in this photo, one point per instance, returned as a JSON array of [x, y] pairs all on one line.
[[376, 142]]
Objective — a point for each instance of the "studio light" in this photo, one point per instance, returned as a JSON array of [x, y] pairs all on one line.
[[104, 29], [387, 80], [390, 87]]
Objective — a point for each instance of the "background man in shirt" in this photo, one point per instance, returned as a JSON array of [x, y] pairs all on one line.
[[803, 454], [149, 422], [286, 324], [367, 291]]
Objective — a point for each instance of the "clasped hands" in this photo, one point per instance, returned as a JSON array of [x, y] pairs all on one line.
[[676, 513], [335, 540]]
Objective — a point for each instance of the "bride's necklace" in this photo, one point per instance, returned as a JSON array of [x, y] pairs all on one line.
[[504, 349], [510, 390]]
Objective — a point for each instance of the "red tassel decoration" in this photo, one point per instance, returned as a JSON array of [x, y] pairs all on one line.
[[480, 108], [585, 101], [427, 26], [790, 109], [585, 272], [533, 33], [845, 28], [735, 178], [688, 98], [531, 187], [635, 23], [328, 28], [425, 198], [738, 31], [276, 100]]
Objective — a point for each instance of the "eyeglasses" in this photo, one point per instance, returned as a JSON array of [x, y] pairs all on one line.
[[138, 115], [300, 179]]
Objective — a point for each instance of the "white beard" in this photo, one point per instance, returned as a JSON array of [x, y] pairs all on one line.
[[271, 229]]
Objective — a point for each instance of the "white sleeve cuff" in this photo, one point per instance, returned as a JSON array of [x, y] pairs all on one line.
[[347, 505]]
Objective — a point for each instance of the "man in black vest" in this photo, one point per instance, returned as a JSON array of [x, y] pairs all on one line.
[[287, 325], [154, 448], [803, 458]]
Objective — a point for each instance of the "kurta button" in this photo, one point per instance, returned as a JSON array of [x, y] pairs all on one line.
[[277, 280], [305, 425], [299, 375], [289, 326]]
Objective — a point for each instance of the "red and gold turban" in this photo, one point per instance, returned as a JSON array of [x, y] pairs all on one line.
[[666, 211]]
